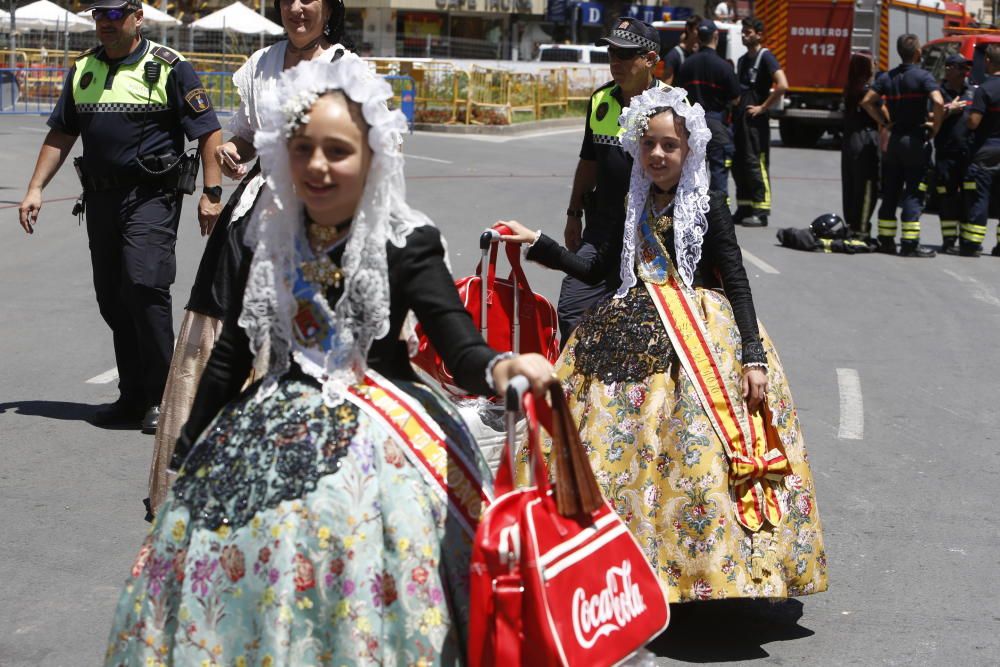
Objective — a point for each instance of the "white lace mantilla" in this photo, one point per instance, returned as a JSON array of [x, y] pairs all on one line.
[[690, 201], [277, 227]]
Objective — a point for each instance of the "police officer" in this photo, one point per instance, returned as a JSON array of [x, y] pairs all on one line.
[[683, 50], [905, 89], [132, 101], [762, 83], [951, 150], [711, 81], [984, 121], [603, 171]]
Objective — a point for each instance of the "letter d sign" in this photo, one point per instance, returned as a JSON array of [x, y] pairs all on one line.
[[593, 16]]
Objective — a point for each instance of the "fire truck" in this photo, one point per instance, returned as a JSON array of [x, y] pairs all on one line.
[[813, 40]]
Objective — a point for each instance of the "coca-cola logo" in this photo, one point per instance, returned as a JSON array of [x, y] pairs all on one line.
[[607, 610]]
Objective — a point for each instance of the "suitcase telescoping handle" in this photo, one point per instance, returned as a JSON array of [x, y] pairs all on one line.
[[486, 241]]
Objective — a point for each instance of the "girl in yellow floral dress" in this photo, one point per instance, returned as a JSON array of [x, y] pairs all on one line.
[[680, 395]]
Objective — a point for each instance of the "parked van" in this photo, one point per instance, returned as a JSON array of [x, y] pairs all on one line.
[[583, 54], [730, 41]]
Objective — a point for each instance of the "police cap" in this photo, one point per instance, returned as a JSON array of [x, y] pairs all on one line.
[[630, 33], [115, 4]]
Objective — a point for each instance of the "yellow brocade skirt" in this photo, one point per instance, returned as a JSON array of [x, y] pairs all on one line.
[[663, 467]]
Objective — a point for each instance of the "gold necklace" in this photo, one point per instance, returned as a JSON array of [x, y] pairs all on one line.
[[322, 236], [323, 271]]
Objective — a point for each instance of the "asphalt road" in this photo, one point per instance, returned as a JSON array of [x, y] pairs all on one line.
[[893, 364]]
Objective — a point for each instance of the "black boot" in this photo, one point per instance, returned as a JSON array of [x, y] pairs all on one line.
[[740, 213], [120, 414], [996, 250], [948, 246], [886, 245], [755, 220], [970, 249], [915, 250]]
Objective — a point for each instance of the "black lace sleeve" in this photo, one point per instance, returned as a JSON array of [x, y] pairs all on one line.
[[602, 266], [721, 253], [231, 361]]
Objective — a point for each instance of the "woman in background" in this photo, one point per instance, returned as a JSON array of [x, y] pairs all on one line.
[[859, 152]]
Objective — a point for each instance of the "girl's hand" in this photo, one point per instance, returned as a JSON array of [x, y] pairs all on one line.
[[228, 157], [519, 233], [754, 388], [533, 366]]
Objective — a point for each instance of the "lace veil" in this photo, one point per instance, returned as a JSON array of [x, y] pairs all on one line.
[[276, 232], [691, 200]]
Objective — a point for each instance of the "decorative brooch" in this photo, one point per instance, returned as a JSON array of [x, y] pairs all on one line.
[[323, 271]]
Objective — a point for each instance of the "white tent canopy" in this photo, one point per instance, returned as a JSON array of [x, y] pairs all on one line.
[[47, 15], [238, 18], [151, 16]]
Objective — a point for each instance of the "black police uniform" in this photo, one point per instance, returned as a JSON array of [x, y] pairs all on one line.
[[132, 216], [711, 81], [905, 90], [859, 156], [752, 135], [606, 206], [951, 159], [983, 166]]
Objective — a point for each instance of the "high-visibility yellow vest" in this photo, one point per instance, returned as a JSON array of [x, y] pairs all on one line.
[[129, 91], [604, 113]]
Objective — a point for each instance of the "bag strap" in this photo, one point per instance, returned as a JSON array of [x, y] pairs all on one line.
[[576, 489]]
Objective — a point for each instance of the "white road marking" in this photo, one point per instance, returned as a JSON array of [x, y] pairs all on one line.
[[500, 138], [852, 411], [979, 291], [33, 129], [105, 377], [759, 263], [411, 156]]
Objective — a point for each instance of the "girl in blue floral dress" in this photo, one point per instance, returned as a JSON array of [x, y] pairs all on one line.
[[325, 515]]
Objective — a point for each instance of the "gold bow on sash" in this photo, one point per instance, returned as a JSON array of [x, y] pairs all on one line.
[[756, 458]]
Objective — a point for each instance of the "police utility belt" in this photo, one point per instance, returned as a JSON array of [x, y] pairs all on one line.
[[168, 172]]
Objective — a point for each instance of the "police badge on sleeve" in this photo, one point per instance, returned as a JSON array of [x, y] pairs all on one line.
[[198, 100]]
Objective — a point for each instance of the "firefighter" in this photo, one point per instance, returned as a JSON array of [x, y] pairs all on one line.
[[711, 81], [762, 83], [688, 45], [905, 90], [984, 121], [951, 150]]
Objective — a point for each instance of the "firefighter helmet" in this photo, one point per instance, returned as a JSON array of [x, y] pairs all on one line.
[[829, 226]]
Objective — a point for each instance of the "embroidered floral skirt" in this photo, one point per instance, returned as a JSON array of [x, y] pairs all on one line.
[[663, 467], [299, 534]]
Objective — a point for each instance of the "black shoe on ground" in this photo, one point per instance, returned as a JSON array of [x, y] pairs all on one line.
[[740, 213], [970, 251], [996, 250], [886, 246], [755, 220], [916, 251], [120, 414], [948, 247], [151, 420]]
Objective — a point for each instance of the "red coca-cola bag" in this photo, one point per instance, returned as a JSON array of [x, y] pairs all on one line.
[[556, 576], [507, 313]]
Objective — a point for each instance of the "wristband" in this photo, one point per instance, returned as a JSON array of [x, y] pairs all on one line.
[[213, 191], [575, 213]]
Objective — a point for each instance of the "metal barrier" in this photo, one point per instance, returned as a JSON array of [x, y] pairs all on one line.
[[427, 91]]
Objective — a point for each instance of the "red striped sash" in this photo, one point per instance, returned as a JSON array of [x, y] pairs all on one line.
[[754, 463], [448, 472]]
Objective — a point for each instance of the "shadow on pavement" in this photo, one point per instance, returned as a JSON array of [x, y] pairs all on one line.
[[51, 409], [728, 630]]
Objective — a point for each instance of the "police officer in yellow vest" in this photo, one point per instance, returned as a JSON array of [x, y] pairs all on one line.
[[602, 173], [132, 102]]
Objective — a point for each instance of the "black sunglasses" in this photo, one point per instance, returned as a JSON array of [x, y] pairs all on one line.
[[619, 53], [110, 14]]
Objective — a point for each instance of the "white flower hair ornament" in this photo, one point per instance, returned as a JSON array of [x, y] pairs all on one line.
[[691, 198], [276, 232]]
